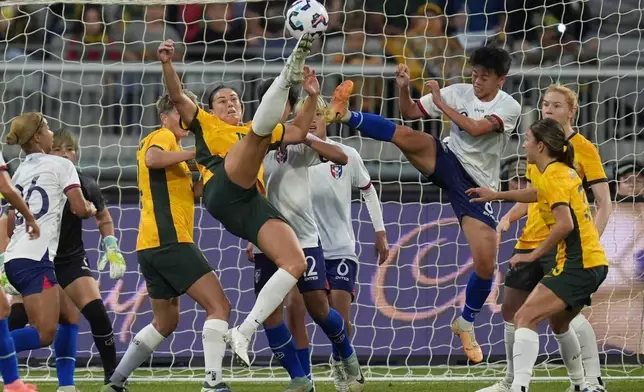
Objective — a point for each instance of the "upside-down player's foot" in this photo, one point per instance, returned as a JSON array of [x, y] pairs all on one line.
[[355, 379], [468, 340], [339, 376], [221, 387], [501, 386], [338, 109], [239, 346], [20, 386], [68, 388], [300, 384], [294, 67], [111, 387]]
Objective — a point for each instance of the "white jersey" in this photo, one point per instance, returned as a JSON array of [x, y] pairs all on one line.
[[43, 180], [331, 186], [286, 176], [479, 155]]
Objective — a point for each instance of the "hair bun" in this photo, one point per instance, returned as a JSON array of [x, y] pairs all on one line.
[[12, 138]]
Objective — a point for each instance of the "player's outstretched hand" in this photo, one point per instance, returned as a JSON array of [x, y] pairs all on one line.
[[249, 253], [382, 247], [32, 228], [502, 227], [166, 51], [484, 195], [435, 90], [520, 258], [402, 75], [311, 83]]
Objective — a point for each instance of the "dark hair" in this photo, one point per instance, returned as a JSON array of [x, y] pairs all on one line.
[[216, 89], [293, 92], [63, 136], [551, 134], [493, 59]]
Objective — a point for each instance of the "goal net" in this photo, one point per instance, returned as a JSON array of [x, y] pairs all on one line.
[[92, 69]]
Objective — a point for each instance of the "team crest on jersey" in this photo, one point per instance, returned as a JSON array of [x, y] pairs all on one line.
[[258, 275], [281, 155], [336, 171]]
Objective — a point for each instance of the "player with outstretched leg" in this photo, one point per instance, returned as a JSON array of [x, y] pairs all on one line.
[[331, 186], [231, 156], [48, 182], [482, 118]]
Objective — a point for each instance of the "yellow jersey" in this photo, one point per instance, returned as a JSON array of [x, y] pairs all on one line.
[[214, 138], [560, 185], [589, 168], [167, 199]]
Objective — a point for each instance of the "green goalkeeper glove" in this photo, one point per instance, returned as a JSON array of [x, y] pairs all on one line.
[[112, 254]]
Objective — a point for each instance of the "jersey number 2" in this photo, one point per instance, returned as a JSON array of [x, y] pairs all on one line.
[[44, 208]]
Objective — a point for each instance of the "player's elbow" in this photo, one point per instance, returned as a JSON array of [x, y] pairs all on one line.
[[411, 112], [565, 227], [339, 157]]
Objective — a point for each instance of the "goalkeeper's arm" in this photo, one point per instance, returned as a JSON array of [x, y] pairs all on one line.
[[185, 106]]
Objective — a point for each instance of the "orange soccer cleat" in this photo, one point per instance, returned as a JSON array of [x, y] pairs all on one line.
[[19, 386], [470, 345], [338, 109]]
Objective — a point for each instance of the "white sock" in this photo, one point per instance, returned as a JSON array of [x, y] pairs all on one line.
[[270, 110], [589, 353], [142, 346], [525, 352], [571, 356], [214, 349], [508, 337], [464, 324], [271, 296]]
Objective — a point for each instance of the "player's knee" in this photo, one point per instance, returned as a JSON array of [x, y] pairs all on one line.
[[71, 315], [220, 310], [559, 327], [47, 333], [484, 267], [167, 324], [508, 312], [524, 318], [295, 266]]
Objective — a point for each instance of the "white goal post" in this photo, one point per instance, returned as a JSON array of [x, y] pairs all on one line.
[[105, 90]]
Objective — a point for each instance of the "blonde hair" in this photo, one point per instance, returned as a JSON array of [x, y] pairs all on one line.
[[165, 104], [321, 104], [571, 96], [24, 127]]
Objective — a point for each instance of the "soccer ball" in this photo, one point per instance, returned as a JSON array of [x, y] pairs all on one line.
[[306, 16]]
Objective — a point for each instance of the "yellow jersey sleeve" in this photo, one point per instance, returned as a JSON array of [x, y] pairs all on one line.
[[163, 139], [588, 158]]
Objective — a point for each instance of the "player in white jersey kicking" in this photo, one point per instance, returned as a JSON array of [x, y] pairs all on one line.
[[287, 186], [47, 182], [482, 118], [8, 359], [331, 185]]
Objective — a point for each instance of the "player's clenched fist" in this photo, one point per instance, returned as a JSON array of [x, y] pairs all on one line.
[[434, 90], [402, 75], [166, 51]]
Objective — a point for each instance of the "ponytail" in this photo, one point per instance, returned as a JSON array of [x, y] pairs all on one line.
[[567, 155]]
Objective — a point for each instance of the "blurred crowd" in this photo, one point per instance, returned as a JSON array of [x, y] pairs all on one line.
[[433, 36]]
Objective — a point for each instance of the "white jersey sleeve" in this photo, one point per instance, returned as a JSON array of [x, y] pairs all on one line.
[[449, 95], [67, 175], [508, 114], [360, 177]]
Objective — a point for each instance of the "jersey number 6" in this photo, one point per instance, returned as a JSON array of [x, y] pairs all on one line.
[[44, 207]]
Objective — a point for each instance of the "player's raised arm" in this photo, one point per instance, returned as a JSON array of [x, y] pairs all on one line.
[[526, 195], [297, 130], [157, 158], [408, 108], [185, 106], [70, 183]]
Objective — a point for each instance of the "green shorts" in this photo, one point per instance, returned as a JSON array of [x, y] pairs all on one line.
[[526, 276], [575, 284], [170, 270], [241, 211]]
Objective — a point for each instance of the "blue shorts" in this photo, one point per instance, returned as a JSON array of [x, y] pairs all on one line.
[[314, 277], [341, 275], [31, 276], [452, 177]]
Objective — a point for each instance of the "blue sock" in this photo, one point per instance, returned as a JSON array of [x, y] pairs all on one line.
[[65, 351], [281, 342], [8, 359], [334, 329], [476, 294], [25, 339], [304, 354], [372, 125]]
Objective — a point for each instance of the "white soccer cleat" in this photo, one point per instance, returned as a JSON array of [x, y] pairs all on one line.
[[295, 63], [239, 346], [595, 387], [300, 384], [69, 388], [355, 378], [339, 376], [577, 388], [501, 386]]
